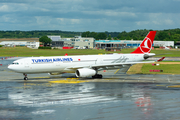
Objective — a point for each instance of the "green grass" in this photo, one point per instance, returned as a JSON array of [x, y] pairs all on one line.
[[23, 51], [167, 69]]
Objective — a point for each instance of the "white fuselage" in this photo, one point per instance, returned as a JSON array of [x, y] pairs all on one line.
[[62, 64]]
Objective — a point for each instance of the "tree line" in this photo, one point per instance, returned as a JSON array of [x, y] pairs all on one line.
[[161, 35], [36, 33]]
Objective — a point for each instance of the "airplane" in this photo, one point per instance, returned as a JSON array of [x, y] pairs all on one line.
[[84, 65]]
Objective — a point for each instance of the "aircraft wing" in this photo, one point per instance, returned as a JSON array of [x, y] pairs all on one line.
[[108, 65], [119, 64]]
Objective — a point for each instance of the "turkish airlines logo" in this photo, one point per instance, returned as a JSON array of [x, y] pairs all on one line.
[[146, 45]]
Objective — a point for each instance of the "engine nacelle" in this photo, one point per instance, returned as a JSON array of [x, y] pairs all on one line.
[[85, 72]]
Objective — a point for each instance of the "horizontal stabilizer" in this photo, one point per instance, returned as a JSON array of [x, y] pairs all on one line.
[[161, 59]]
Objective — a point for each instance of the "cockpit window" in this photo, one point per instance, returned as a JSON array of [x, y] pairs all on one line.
[[15, 63]]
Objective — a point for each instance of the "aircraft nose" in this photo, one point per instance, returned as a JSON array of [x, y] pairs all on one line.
[[10, 67], [14, 68]]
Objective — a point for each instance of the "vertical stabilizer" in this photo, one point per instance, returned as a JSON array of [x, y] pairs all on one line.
[[146, 45]]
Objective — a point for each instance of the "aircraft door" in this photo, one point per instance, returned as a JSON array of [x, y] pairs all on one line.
[[26, 64]]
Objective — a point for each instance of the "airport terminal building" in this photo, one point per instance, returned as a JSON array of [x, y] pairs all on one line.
[[128, 43]]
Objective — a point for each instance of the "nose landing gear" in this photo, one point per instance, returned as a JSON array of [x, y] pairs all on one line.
[[25, 76]]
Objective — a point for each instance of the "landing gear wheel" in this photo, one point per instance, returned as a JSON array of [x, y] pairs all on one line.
[[100, 76], [97, 76], [25, 76]]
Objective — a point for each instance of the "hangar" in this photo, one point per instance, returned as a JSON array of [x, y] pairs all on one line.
[[30, 44]]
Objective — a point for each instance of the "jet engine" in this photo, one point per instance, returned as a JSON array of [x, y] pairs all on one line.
[[85, 72]]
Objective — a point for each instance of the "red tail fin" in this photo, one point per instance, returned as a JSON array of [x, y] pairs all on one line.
[[146, 45]]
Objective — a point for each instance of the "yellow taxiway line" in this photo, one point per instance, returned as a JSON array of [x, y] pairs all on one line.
[[174, 86], [116, 71], [69, 81]]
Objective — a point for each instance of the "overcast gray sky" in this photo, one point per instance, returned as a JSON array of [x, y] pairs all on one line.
[[89, 15]]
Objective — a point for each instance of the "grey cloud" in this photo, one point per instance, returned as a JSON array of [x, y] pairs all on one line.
[[82, 15], [13, 1]]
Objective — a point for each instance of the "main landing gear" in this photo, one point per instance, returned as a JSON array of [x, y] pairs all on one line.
[[97, 76], [25, 76]]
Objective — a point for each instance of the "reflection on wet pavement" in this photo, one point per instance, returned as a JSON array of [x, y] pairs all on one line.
[[88, 101]]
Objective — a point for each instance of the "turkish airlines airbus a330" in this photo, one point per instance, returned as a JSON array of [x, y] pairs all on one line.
[[84, 65]]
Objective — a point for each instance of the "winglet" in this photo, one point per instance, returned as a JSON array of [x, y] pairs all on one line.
[[146, 45]]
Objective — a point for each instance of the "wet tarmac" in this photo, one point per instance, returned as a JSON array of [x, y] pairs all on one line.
[[62, 97]]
